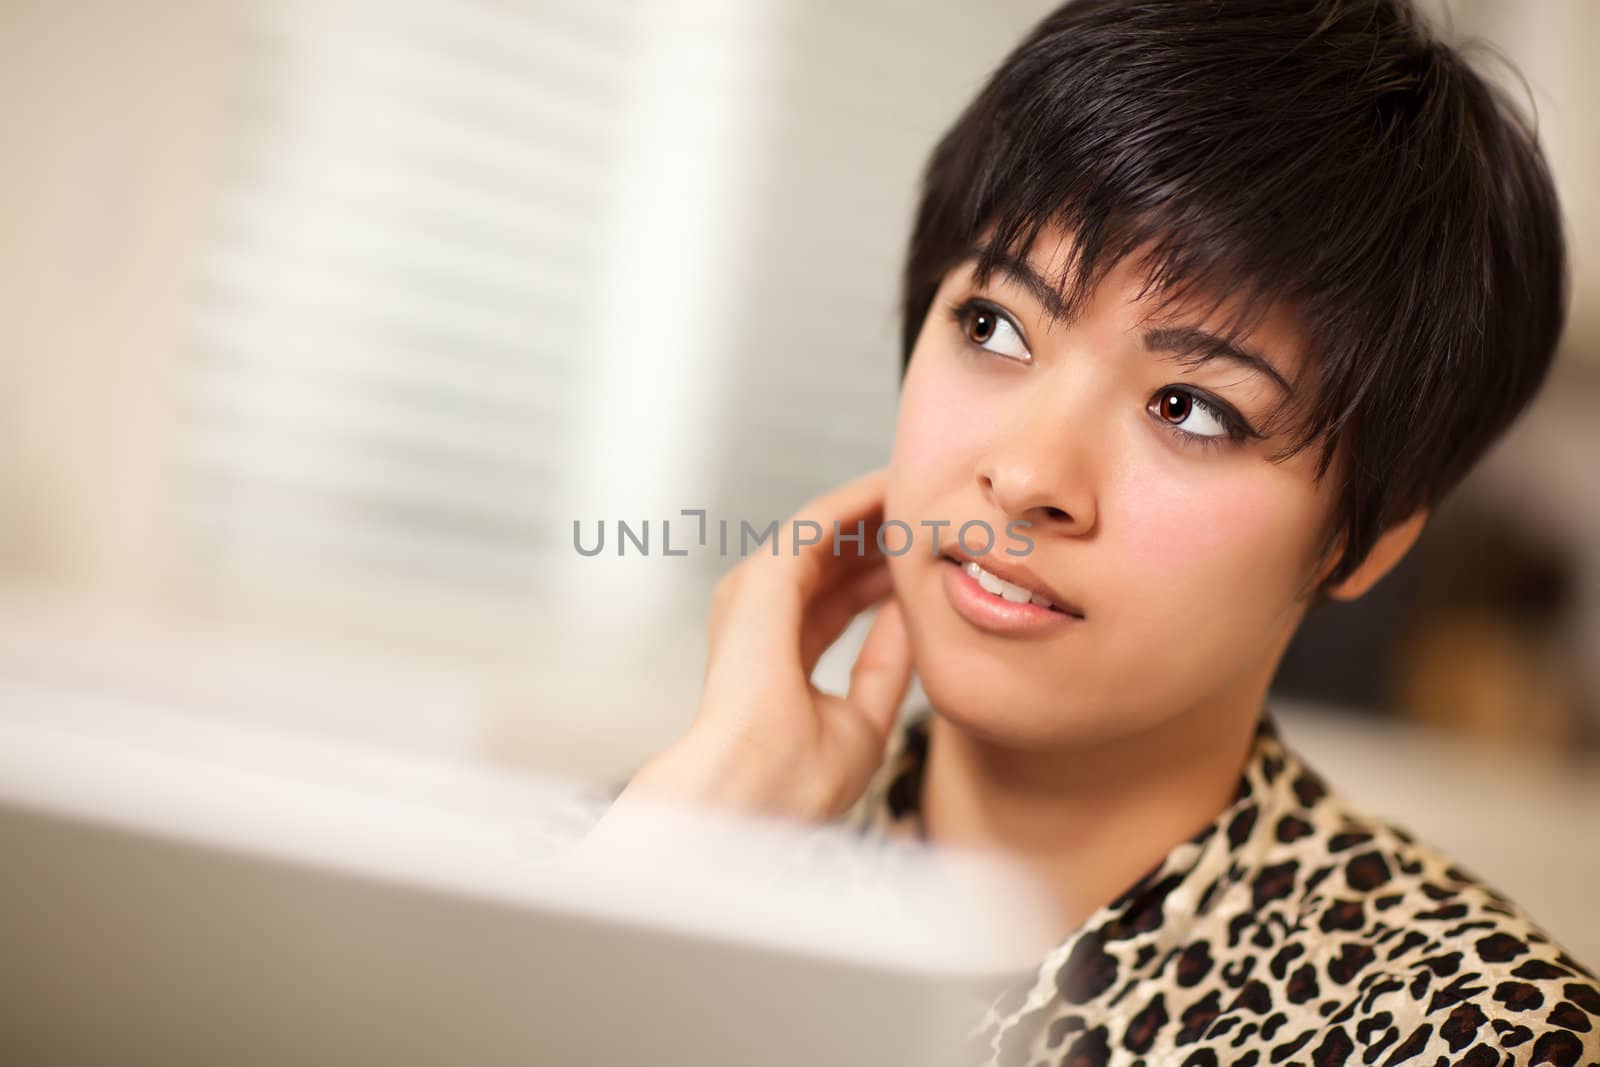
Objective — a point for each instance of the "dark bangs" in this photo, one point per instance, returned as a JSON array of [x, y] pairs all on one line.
[[1329, 157]]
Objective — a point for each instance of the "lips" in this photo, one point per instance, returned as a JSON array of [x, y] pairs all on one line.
[[1017, 575]]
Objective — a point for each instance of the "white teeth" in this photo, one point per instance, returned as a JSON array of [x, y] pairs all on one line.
[[1002, 588]]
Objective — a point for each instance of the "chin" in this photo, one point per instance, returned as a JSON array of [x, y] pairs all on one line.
[[1007, 694], [991, 701]]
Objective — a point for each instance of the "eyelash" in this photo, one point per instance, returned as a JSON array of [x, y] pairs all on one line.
[[961, 314], [1238, 431]]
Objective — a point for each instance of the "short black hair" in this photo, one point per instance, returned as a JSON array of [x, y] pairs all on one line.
[[1333, 155]]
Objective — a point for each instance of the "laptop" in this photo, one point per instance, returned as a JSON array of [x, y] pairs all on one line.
[[185, 889]]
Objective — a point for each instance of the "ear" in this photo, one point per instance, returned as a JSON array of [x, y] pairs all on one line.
[[1390, 547]]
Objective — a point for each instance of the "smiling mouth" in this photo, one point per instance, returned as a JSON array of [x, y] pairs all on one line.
[[1002, 589]]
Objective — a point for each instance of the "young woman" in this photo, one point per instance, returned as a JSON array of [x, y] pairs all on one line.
[[1211, 303]]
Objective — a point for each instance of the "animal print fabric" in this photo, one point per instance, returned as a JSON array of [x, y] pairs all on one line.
[[1294, 929]]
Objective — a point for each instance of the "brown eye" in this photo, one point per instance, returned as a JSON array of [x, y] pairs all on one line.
[[981, 327], [991, 330], [1193, 416], [1175, 406]]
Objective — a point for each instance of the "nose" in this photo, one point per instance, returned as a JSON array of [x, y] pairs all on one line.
[[1040, 470]]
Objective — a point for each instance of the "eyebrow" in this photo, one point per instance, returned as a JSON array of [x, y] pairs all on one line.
[[1194, 347], [1189, 345], [1021, 272]]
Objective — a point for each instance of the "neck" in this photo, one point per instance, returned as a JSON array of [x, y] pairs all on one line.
[[1091, 819]]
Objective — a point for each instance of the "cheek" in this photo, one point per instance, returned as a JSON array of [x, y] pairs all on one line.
[[937, 434], [1230, 536], [940, 418]]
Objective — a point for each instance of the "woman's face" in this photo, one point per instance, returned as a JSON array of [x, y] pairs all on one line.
[[1185, 549]]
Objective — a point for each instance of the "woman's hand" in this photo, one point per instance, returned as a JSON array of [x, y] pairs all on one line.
[[765, 739]]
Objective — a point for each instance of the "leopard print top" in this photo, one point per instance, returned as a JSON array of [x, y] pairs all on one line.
[[1294, 929]]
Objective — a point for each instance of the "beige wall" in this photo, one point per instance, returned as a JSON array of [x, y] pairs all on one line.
[[110, 116], [1554, 44], [113, 124]]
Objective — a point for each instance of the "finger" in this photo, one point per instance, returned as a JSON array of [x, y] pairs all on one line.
[[776, 593], [857, 584], [835, 610], [723, 596], [813, 569], [882, 672], [859, 501]]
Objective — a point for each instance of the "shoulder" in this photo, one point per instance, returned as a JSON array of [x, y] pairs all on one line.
[[1402, 953]]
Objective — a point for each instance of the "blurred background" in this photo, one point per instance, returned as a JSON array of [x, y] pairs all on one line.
[[325, 322]]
